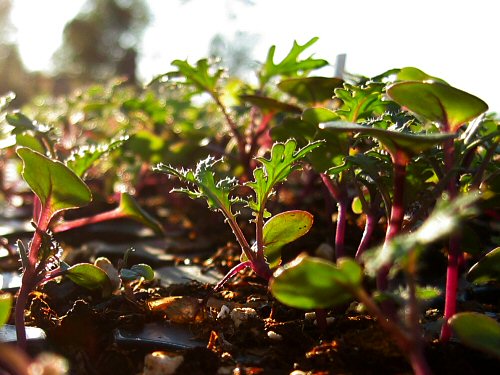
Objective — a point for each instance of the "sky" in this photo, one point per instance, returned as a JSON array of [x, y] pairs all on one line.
[[454, 40]]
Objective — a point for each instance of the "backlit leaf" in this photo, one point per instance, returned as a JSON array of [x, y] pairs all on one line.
[[57, 187], [131, 209], [438, 102], [477, 331], [5, 307], [487, 269], [282, 229], [312, 283], [88, 276]]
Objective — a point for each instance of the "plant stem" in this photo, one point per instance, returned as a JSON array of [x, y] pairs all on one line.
[[98, 218], [370, 225], [454, 251], [400, 161], [29, 278], [339, 196]]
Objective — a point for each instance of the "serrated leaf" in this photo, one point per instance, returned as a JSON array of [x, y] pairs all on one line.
[[282, 161], [291, 65], [131, 209], [5, 307], [313, 283], [361, 102], [487, 269], [282, 229], [438, 102], [88, 276], [57, 187], [84, 158], [216, 193], [477, 331]]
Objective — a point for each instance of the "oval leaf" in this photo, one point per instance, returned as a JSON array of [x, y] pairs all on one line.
[[410, 144], [311, 89], [55, 184], [312, 283], [282, 229], [137, 271], [477, 331], [487, 269], [267, 104], [131, 209], [438, 102], [5, 307], [88, 276]]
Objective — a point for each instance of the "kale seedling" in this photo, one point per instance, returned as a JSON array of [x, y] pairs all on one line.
[[270, 235]]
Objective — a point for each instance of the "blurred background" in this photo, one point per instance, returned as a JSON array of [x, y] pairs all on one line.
[[53, 46]]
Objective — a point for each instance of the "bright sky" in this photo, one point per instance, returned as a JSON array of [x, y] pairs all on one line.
[[456, 40]]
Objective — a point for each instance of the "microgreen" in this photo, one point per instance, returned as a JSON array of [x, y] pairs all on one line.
[[281, 163]]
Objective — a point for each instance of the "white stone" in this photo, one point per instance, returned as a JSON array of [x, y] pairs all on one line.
[[242, 314], [161, 363]]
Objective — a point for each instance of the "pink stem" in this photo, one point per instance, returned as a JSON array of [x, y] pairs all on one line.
[[370, 225], [104, 216], [454, 251], [233, 271]]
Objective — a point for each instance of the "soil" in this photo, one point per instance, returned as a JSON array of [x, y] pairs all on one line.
[[82, 325]]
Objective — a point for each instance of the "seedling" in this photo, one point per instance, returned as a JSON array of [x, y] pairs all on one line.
[[312, 283], [270, 235]]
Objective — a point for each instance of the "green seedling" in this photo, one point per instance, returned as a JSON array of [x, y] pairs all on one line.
[[271, 232], [314, 283]]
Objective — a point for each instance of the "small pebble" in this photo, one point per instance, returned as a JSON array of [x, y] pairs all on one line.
[[224, 312], [161, 363], [310, 316], [274, 336], [242, 314]]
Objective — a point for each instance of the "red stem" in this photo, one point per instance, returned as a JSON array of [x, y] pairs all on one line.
[[397, 212], [104, 216], [454, 251], [370, 225], [29, 278], [339, 196]]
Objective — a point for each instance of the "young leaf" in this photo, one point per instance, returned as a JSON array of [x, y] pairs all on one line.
[[216, 193], [313, 283], [81, 160], [137, 271], [477, 331], [5, 307], [291, 65], [438, 102], [129, 208], [274, 170], [282, 229], [88, 276], [487, 269], [57, 187]]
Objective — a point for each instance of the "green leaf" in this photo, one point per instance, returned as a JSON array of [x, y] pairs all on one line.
[[312, 283], [276, 169], [84, 158], [282, 229], [20, 122], [26, 140], [487, 269], [131, 209], [267, 104], [203, 76], [290, 66], [311, 89], [438, 102], [57, 187], [216, 193], [410, 73], [409, 143], [318, 115], [477, 331], [88, 276], [5, 307], [137, 271], [361, 102]]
